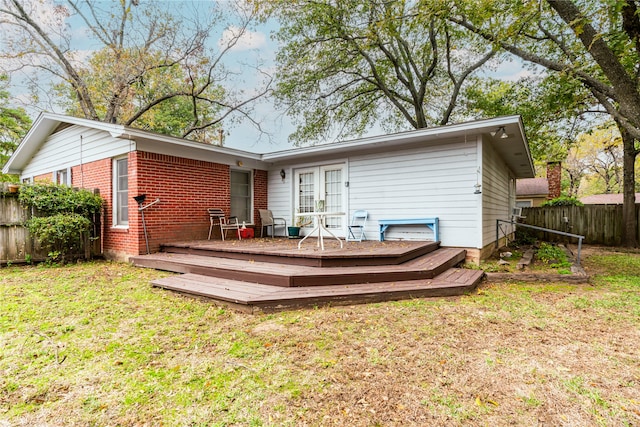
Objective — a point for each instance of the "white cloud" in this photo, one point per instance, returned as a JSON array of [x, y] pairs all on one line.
[[245, 41]]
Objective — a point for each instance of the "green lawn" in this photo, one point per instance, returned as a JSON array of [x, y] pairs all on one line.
[[95, 344]]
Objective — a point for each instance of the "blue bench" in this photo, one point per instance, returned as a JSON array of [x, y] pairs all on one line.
[[432, 223]]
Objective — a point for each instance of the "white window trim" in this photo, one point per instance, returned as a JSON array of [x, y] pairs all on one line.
[[114, 193], [525, 200], [54, 176]]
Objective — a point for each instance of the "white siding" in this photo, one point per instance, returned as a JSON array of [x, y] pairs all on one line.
[[497, 196], [280, 194], [434, 181], [74, 146]]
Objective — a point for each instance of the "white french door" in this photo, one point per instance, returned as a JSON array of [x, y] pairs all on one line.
[[321, 183]]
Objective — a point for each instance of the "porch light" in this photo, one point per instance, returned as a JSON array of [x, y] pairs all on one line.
[[500, 133], [283, 174]]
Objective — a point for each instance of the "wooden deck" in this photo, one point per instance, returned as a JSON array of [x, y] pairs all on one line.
[[285, 251], [268, 275]]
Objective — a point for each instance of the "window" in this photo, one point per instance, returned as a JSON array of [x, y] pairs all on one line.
[[62, 177], [120, 192], [524, 203], [241, 200]]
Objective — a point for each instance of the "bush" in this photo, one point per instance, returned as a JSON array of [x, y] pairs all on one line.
[[63, 214], [61, 233], [563, 201], [55, 199], [552, 255]]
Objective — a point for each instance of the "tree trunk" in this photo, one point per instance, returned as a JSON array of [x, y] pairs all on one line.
[[629, 218]]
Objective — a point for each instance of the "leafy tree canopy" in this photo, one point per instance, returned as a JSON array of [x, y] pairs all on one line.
[[14, 124], [347, 65], [597, 43], [149, 66]]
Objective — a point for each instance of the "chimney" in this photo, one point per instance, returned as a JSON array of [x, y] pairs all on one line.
[[554, 178]]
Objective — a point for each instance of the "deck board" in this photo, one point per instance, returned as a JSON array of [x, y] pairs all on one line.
[[424, 267], [271, 298], [285, 251], [272, 275]]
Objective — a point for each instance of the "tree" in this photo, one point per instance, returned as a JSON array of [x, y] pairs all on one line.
[[597, 43], [14, 124], [149, 61], [346, 65], [550, 106], [598, 156]]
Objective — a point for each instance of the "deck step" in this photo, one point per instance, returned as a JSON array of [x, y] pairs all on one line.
[[286, 275], [283, 251], [253, 297]]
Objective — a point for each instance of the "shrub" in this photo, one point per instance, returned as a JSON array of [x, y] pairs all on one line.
[[63, 214], [60, 233], [55, 199], [563, 201], [553, 255]]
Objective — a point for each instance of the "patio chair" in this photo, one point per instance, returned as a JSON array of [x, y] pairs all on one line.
[[356, 228], [267, 220], [218, 218]]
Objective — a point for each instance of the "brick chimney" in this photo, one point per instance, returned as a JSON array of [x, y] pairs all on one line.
[[554, 177]]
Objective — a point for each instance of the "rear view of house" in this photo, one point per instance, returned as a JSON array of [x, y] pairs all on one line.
[[462, 174]]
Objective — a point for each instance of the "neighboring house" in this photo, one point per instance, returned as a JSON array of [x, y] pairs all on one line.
[[532, 192], [464, 174], [606, 199]]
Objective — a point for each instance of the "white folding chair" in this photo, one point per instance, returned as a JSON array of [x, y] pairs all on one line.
[[356, 228], [218, 218]]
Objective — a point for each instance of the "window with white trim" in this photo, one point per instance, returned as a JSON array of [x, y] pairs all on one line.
[[242, 196], [61, 177], [121, 192]]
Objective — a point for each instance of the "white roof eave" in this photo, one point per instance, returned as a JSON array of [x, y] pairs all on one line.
[[45, 123]]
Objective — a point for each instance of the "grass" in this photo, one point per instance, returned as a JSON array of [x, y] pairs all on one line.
[[95, 344]]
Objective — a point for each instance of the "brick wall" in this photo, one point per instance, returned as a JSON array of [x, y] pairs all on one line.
[[260, 199], [43, 179], [186, 189], [97, 175]]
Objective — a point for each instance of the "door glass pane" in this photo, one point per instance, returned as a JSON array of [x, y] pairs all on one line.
[[241, 196], [306, 195], [333, 196]]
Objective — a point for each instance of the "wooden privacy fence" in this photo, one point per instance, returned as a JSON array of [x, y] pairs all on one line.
[[600, 224], [16, 243]]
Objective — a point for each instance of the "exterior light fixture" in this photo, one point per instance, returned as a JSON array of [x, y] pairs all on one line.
[[500, 133], [283, 174]]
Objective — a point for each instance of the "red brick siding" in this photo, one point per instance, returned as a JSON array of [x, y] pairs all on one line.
[[260, 193], [98, 175], [43, 179], [185, 187]]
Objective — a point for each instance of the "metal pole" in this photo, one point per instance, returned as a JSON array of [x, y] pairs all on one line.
[[548, 230], [144, 227]]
